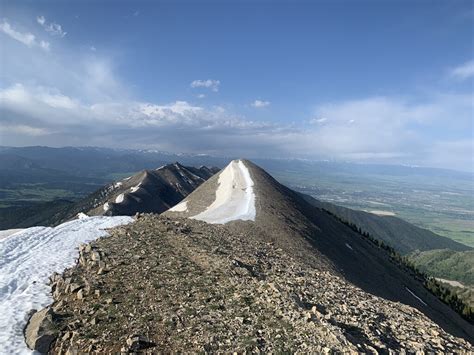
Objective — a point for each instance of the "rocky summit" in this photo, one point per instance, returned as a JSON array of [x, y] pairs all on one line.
[[243, 264], [165, 284]]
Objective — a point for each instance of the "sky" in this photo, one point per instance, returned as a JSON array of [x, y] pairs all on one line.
[[366, 81]]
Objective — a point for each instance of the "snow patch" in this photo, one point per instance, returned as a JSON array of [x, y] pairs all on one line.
[[180, 207], [117, 184], [413, 294], [82, 215], [119, 198], [382, 213], [349, 246], [106, 206], [135, 188], [235, 198], [27, 259], [8, 232]]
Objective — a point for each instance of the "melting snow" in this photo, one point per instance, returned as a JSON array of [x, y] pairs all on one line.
[[119, 198], [82, 215], [235, 198], [135, 188], [27, 259], [8, 232], [413, 294], [180, 207]]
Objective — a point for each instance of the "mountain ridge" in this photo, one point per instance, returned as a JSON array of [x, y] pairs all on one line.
[[292, 271], [287, 219]]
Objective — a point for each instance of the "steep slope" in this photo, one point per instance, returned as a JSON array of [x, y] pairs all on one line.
[[41, 214], [430, 253], [183, 285], [399, 234], [27, 259], [284, 217], [151, 191], [252, 266]]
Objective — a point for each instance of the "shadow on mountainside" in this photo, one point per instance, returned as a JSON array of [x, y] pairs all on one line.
[[284, 216]]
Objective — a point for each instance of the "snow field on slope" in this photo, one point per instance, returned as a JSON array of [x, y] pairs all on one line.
[[27, 259], [8, 232], [180, 207], [235, 198], [119, 198]]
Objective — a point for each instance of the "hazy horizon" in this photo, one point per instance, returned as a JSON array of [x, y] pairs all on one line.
[[329, 160]]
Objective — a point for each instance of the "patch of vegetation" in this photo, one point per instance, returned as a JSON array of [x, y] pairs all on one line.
[[446, 264], [445, 294], [33, 214]]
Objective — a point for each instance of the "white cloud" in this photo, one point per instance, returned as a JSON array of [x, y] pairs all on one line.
[[385, 129], [316, 120], [208, 84], [56, 109], [28, 39], [48, 100], [260, 104], [201, 96], [52, 28], [41, 20], [45, 45], [463, 71], [23, 130], [376, 129]]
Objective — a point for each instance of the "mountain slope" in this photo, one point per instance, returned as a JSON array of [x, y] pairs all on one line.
[[152, 191], [183, 285], [41, 214], [252, 267], [27, 260], [401, 235], [284, 217]]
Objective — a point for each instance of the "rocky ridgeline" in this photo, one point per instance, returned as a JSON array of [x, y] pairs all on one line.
[[165, 284]]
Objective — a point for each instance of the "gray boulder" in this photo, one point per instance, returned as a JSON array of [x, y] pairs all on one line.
[[40, 331]]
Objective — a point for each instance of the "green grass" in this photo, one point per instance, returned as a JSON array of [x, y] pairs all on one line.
[[11, 197]]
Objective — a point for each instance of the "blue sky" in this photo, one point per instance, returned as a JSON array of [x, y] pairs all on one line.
[[372, 81]]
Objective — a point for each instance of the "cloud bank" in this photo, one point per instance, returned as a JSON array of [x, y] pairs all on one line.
[[49, 99]]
